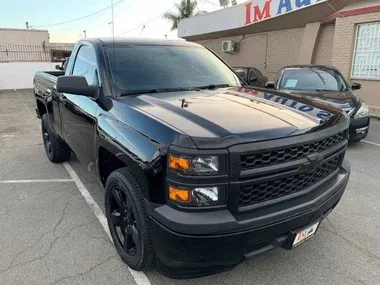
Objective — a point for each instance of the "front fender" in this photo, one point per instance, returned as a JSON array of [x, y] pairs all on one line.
[[142, 155]]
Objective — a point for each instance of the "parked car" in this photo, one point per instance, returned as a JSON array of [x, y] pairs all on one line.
[[252, 76], [326, 83], [200, 172]]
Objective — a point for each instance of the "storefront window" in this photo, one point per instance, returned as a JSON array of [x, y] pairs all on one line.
[[366, 61]]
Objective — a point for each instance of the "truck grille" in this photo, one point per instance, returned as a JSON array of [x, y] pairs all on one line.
[[268, 190], [272, 157]]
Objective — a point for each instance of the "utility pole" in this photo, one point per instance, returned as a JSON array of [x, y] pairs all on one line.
[[27, 25], [84, 33], [113, 23], [188, 8]]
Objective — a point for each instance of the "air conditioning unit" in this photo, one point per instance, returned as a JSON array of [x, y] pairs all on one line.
[[229, 46]]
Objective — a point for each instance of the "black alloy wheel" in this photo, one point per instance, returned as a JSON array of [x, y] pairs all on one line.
[[55, 148], [46, 139], [123, 219], [128, 220]]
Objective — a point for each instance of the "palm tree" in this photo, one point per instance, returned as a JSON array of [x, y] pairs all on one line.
[[186, 9]]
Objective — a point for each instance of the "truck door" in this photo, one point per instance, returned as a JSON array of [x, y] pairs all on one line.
[[78, 112]]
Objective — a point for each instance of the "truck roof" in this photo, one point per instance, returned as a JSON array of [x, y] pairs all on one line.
[[139, 41]]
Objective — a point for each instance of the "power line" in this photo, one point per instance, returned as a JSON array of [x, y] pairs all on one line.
[[209, 2], [144, 24], [80, 18], [117, 15]]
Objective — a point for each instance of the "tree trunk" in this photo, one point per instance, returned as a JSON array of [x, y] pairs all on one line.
[[188, 8]]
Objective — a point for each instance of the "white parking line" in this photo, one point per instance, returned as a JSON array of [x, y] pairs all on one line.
[[139, 277], [35, 181], [372, 143]]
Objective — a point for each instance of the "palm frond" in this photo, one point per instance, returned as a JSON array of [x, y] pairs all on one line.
[[183, 11]]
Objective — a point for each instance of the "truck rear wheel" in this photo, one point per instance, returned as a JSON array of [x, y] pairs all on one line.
[[128, 220], [56, 150]]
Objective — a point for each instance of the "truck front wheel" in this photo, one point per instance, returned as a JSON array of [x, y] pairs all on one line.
[[128, 220], [56, 150]]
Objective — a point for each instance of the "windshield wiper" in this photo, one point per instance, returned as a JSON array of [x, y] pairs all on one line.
[[158, 90], [325, 90], [213, 86]]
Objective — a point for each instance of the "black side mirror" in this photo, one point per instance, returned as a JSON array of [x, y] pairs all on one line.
[[58, 67], [270, 85], [75, 85], [356, 86]]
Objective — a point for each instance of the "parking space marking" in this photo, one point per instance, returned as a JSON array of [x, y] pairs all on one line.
[[36, 181], [377, 144], [139, 277]]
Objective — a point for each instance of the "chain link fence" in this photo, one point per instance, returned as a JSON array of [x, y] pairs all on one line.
[[39, 53]]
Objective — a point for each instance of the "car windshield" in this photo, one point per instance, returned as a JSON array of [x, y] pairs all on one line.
[[136, 68], [312, 79]]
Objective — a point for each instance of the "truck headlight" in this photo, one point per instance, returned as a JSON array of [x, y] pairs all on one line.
[[201, 165], [200, 196], [205, 196], [362, 112], [207, 164]]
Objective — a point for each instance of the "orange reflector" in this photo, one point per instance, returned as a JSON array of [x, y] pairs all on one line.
[[179, 163], [179, 195]]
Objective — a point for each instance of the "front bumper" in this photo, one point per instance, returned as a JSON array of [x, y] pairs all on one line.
[[358, 128], [191, 244]]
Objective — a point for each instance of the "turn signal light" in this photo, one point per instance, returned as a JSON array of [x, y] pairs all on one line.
[[179, 163], [179, 195]]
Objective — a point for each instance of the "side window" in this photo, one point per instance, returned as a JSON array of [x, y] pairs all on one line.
[[85, 65], [258, 72], [253, 73]]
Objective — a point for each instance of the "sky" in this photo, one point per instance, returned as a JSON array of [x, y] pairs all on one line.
[[130, 16]]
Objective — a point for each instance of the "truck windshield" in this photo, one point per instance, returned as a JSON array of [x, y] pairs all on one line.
[[135, 68], [312, 79]]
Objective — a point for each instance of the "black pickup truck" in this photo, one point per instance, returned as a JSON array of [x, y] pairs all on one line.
[[200, 170]]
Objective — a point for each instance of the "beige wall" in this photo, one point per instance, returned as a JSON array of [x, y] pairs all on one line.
[[361, 4], [325, 45], [344, 41], [309, 43], [266, 51], [24, 37]]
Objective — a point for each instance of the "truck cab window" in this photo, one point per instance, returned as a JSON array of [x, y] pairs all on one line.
[[85, 65]]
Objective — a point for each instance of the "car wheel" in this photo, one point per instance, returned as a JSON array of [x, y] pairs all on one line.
[[56, 150], [128, 220]]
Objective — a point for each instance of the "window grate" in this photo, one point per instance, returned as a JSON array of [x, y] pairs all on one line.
[[366, 59]]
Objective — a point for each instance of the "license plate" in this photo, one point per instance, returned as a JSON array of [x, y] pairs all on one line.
[[305, 234]]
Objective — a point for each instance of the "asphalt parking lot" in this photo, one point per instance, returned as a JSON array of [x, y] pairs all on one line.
[[49, 233]]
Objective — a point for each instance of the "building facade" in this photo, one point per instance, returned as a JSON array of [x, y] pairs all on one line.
[[273, 33], [23, 36], [24, 52]]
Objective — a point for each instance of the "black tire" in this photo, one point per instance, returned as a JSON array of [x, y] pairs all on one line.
[[56, 150], [128, 220]]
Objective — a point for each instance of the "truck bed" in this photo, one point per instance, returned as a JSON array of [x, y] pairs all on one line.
[[55, 73], [44, 82]]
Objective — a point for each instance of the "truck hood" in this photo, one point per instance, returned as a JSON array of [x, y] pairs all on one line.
[[345, 100], [223, 117]]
